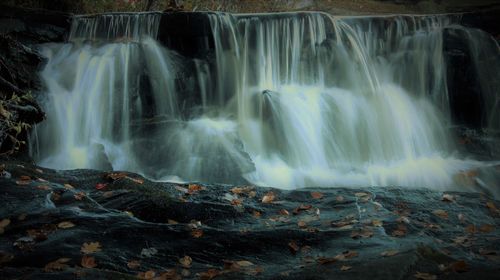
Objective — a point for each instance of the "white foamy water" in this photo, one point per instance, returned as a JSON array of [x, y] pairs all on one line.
[[295, 101]]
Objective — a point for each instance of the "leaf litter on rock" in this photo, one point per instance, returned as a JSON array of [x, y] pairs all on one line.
[[91, 247]]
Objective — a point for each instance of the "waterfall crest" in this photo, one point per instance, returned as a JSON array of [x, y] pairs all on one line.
[[288, 100]]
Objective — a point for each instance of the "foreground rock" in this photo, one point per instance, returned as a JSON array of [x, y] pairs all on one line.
[[96, 225]]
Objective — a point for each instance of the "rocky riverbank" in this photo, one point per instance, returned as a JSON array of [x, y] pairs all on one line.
[[95, 225]]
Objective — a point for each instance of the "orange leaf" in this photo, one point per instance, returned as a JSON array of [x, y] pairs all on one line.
[[88, 262], [316, 195], [268, 197], [133, 264], [197, 233], [186, 261], [90, 248]]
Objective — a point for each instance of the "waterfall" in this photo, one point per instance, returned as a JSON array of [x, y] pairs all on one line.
[[288, 100]]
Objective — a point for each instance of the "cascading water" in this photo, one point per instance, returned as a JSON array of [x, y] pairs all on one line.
[[295, 100]]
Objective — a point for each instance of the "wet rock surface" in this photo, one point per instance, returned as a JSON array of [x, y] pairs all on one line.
[[98, 225]]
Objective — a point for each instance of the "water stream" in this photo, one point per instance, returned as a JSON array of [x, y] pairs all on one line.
[[289, 101]]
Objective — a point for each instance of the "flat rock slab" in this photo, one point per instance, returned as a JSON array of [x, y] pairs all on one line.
[[87, 224]]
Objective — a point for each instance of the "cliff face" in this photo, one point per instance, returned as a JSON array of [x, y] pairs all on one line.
[[20, 31]]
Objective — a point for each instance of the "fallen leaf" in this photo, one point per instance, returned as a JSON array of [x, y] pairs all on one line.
[[57, 265], [302, 224], [197, 233], [268, 197], [294, 248], [317, 195], [284, 212], [377, 223], [471, 229], [115, 176], [69, 187], [236, 202], [193, 188], [172, 222], [43, 188], [424, 276], [339, 198], [323, 260], [493, 208], [257, 214], [3, 224], [65, 224], [39, 170], [108, 194], [136, 180], [345, 268], [350, 254], [79, 195], [486, 228], [100, 186], [440, 213], [302, 207], [448, 198], [147, 275], [244, 263], [88, 262], [389, 253], [209, 274], [186, 261], [90, 248], [133, 264], [364, 233]]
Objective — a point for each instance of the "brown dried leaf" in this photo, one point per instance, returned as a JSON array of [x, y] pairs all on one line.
[[377, 223], [268, 197], [172, 222], [345, 268], [147, 275], [57, 265], [294, 248], [79, 195], [90, 248], [194, 188], [4, 223], [302, 224], [284, 212], [323, 260], [133, 264], [486, 228], [448, 198], [116, 175], [389, 253], [197, 233], [317, 195], [88, 262], [339, 198], [364, 233], [440, 213], [209, 274], [424, 276], [69, 187], [186, 261], [65, 224], [471, 229], [43, 188], [257, 214]]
